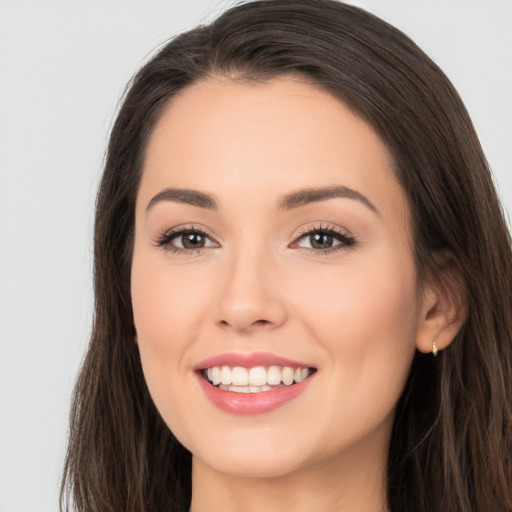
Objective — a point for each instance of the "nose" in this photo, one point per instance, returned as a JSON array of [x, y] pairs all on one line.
[[251, 297]]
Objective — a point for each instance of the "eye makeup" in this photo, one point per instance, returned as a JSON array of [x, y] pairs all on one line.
[[323, 239], [317, 239], [185, 239]]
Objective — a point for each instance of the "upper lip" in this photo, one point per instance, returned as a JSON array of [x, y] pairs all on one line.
[[249, 361]]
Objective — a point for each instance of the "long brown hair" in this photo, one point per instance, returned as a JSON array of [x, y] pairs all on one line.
[[451, 447]]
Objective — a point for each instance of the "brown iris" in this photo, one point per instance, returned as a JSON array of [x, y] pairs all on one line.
[[321, 240], [193, 240]]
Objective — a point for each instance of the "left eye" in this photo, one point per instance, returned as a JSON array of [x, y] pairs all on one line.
[[323, 240], [318, 240]]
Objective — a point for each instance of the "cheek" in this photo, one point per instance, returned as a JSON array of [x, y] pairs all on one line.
[[366, 319], [168, 308], [364, 305], [166, 304]]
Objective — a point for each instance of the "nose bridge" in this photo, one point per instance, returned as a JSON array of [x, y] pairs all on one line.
[[250, 296]]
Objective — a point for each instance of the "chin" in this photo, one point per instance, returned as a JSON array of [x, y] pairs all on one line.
[[251, 456], [249, 464]]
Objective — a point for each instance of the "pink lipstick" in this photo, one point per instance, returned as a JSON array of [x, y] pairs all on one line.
[[252, 383]]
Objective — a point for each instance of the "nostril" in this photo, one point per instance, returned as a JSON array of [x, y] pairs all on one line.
[[247, 326]]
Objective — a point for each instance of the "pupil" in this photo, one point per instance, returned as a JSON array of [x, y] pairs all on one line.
[[193, 240], [321, 241]]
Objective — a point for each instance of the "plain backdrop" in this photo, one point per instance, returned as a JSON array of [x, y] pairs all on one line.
[[63, 68]]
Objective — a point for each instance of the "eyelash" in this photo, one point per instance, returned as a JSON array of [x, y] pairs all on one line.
[[343, 237], [346, 240], [165, 240]]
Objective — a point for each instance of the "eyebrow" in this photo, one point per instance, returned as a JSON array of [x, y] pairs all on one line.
[[187, 196], [288, 202], [311, 195]]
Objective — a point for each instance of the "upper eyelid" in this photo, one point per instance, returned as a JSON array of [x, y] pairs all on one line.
[[329, 228], [342, 234], [303, 230], [183, 228], [320, 227], [164, 238]]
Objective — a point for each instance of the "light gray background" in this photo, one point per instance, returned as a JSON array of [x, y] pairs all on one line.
[[63, 67]]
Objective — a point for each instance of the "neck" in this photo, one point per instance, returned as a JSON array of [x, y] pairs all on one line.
[[350, 484]]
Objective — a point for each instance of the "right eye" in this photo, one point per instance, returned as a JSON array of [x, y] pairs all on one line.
[[185, 240]]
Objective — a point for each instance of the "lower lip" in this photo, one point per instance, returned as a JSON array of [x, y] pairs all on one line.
[[252, 403]]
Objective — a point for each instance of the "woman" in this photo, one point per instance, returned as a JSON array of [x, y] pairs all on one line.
[[294, 220]]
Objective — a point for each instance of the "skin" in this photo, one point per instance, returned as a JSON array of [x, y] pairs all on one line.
[[356, 314]]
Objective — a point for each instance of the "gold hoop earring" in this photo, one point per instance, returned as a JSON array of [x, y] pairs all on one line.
[[434, 348]]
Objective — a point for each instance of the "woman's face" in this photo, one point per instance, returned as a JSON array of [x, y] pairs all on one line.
[[273, 237]]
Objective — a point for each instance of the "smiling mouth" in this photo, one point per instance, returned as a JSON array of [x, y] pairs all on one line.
[[257, 379]]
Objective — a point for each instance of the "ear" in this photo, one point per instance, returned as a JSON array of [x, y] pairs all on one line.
[[444, 306]]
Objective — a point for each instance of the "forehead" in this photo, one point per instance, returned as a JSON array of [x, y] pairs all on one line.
[[263, 139]]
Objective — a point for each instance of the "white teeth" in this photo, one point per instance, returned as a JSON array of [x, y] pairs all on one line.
[[288, 375], [257, 376], [246, 389], [300, 374], [216, 376], [225, 375], [239, 376], [254, 380], [239, 389], [274, 375]]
